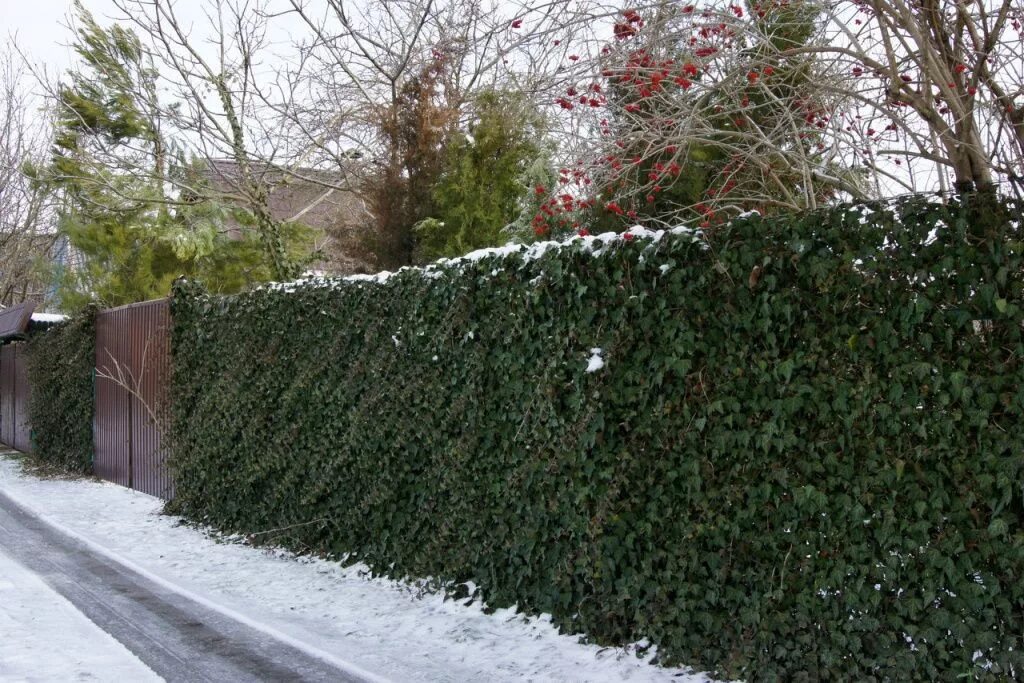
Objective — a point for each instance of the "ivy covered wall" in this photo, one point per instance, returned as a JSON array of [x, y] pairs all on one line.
[[61, 403], [789, 449]]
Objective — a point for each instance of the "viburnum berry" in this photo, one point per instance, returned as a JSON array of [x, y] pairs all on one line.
[[517, 23], [628, 236], [583, 232], [622, 30], [972, 90], [768, 71], [960, 68], [540, 190]]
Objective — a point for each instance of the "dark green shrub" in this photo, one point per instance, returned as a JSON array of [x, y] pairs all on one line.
[[801, 460], [60, 372]]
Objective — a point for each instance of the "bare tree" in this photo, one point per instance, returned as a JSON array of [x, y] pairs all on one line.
[[212, 92], [389, 81], [27, 233], [939, 83], [209, 98]]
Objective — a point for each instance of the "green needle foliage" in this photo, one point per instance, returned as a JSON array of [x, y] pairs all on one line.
[[133, 207], [801, 460], [481, 190]]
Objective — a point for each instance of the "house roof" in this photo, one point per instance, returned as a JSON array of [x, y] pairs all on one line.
[[316, 197], [326, 200], [14, 320]]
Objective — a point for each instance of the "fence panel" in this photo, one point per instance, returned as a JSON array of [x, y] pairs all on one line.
[[15, 430], [151, 354], [132, 375], [22, 427], [7, 379]]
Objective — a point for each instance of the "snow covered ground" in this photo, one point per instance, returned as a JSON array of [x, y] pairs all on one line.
[[334, 612], [44, 638]]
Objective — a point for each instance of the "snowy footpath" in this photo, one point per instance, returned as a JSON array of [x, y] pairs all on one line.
[[44, 638], [335, 613]]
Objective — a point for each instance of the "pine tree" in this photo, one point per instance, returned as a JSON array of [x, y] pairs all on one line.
[[121, 181], [482, 190]]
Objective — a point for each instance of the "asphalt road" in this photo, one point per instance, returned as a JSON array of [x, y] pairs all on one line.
[[177, 638]]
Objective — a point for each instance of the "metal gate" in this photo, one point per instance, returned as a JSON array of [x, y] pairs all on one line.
[[15, 429], [132, 375]]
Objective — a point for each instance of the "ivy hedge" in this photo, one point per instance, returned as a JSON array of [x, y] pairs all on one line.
[[60, 372], [797, 454]]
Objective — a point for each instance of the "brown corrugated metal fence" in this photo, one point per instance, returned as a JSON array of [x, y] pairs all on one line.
[[132, 376], [22, 427], [15, 429], [7, 394]]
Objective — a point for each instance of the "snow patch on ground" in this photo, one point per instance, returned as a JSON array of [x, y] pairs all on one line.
[[379, 625], [596, 361], [44, 638]]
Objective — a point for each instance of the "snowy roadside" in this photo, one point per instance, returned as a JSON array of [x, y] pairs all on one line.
[[339, 612], [46, 639]]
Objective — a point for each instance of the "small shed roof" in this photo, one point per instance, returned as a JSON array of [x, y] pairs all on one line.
[[14, 320]]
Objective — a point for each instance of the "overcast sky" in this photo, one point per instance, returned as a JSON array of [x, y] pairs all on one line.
[[41, 25]]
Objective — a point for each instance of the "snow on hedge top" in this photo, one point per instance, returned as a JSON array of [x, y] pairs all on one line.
[[48, 317], [594, 245]]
